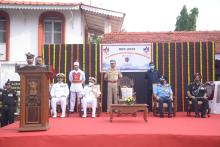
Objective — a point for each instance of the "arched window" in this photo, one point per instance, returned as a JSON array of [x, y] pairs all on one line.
[[4, 36], [51, 29]]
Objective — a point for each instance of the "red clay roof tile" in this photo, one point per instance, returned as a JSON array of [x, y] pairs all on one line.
[[183, 36]]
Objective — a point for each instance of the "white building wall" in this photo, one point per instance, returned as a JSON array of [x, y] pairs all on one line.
[[24, 31], [23, 34], [74, 27], [24, 37]]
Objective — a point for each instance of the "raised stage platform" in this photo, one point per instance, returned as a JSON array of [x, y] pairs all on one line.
[[124, 131]]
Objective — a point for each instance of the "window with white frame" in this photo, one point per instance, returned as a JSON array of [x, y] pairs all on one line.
[[3, 38], [52, 30]]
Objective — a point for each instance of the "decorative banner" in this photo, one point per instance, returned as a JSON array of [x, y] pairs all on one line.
[[129, 57]]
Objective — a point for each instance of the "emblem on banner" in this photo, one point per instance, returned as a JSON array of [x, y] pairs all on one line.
[[146, 49], [106, 50]]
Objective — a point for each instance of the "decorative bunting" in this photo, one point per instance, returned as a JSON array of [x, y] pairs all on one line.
[[207, 61], [213, 61], [60, 46], [169, 63], [43, 58], [194, 63], [180, 58], [90, 60], [71, 57], [65, 61], [182, 75], [175, 67], [156, 55], [96, 61], [54, 57], [163, 58], [200, 58], [188, 64], [84, 58]]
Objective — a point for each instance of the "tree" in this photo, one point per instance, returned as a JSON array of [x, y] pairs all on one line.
[[95, 39], [185, 21]]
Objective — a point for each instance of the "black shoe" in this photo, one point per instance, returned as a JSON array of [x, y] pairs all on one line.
[[197, 116], [161, 116], [203, 116], [170, 115]]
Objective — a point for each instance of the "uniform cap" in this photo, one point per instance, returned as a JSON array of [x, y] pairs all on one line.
[[197, 74], [8, 83], [60, 75], [151, 63], [112, 61], [163, 78], [92, 80], [29, 55], [76, 63]]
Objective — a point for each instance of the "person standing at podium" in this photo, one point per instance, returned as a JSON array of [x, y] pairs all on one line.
[[59, 93], [77, 79]]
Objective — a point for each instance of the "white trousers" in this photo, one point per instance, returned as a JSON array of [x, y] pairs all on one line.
[[62, 101], [89, 100], [73, 96]]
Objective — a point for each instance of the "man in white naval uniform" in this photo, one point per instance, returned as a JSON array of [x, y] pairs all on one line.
[[59, 93], [90, 94], [77, 79]]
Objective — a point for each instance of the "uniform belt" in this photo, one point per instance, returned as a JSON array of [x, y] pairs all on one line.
[[112, 81], [77, 81]]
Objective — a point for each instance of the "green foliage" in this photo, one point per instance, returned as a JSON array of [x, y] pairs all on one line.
[[185, 21], [95, 39]]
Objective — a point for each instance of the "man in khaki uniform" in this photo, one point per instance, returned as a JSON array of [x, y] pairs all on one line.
[[112, 75]]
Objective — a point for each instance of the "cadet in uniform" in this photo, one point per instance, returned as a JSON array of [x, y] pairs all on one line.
[[9, 101], [59, 93], [197, 92], [164, 94], [152, 77], [77, 79], [90, 94], [112, 75]]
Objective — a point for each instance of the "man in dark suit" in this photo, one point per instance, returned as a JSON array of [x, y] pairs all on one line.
[[152, 77]]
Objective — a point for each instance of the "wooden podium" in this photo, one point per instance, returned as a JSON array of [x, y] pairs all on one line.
[[34, 103]]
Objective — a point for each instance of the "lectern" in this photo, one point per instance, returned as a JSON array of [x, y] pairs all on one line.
[[34, 102]]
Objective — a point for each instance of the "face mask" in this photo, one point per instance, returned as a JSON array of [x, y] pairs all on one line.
[[90, 84], [162, 82], [151, 67], [76, 67]]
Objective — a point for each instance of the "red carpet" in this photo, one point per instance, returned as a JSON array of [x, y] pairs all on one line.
[[124, 131]]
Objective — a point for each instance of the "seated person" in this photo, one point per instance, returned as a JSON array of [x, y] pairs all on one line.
[[164, 94], [59, 93], [197, 92], [90, 94]]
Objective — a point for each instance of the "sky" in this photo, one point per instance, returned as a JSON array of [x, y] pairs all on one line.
[[158, 15]]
